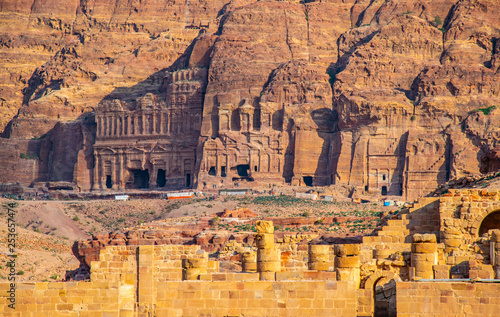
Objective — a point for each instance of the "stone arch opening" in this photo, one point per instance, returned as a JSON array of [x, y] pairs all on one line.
[[383, 285], [384, 297], [491, 221]]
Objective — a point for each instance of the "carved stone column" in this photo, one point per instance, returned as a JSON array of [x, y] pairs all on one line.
[[153, 130], [192, 268], [268, 256], [347, 264], [248, 262], [95, 178], [423, 256], [129, 124], [111, 125], [136, 124], [161, 122], [99, 125], [143, 124], [168, 122], [114, 178], [319, 257], [121, 181]]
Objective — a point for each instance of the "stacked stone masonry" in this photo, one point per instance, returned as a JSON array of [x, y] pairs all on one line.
[[363, 279]]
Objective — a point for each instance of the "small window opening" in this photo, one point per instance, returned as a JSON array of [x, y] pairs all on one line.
[[255, 168], [383, 177], [223, 171], [188, 180]]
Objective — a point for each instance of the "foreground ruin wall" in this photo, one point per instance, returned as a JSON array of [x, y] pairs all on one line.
[[188, 298], [390, 98], [403, 269], [145, 280], [137, 281], [447, 299]]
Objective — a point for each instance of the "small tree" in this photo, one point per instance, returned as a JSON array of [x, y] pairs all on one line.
[[437, 20], [214, 221]]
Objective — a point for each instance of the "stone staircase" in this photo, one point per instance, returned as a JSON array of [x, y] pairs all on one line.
[[401, 226]]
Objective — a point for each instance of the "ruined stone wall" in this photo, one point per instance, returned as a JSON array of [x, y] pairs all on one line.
[[121, 262], [447, 298], [137, 281], [315, 298], [75, 298], [142, 280]]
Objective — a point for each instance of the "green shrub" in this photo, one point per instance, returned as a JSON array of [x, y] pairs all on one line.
[[437, 20], [214, 221]]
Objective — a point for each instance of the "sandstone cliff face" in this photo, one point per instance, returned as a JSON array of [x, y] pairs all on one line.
[[392, 97], [68, 55]]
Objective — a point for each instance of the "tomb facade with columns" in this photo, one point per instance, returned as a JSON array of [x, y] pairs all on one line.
[[151, 142]]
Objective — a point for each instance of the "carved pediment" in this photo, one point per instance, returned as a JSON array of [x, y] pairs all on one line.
[[107, 151], [135, 150], [160, 148]]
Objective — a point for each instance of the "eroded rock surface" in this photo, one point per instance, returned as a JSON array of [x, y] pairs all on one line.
[[392, 97]]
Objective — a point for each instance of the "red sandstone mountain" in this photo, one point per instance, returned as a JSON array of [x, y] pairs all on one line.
[[392, 97]]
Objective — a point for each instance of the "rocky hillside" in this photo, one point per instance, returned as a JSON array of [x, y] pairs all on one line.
[[389, 96]]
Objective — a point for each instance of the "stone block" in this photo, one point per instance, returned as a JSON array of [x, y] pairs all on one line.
[[289, 276], [267, 275], [264, 240], [249, 267], [268, 255], [424, 247], [319, 249], [452, 243], [248, 256], [263, 226], [423, 257], [319, 257], [192, 273], [380, 254], [426, 237], [495, 235], [347, 262], [268, 266], [346, 249], [319, 266], [194, 263]]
